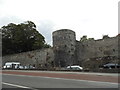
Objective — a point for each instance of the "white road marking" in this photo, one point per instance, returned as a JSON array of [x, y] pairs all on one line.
[[64, 79], [19, 86], [14, 85]]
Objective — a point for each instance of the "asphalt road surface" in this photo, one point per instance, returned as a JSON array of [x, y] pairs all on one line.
[[36, 82]]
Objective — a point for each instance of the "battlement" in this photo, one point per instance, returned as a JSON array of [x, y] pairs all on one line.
[[66, 50], [83, 50]]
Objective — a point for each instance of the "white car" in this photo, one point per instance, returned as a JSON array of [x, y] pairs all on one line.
[[9, 65], [74, 67], [21, 67]]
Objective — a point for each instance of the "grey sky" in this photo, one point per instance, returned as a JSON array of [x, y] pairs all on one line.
[[93, 18]]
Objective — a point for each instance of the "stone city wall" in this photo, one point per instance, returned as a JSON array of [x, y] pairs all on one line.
[[67, 50], [94, 53], [37, 58]]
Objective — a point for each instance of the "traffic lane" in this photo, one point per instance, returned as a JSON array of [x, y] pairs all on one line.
[[48, 82], [13, 88], [82, 76]]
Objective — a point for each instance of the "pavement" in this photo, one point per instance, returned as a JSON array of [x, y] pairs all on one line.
[[90, 73], [105, 77], [52, 79]]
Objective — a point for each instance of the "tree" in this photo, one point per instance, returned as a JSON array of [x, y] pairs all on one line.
[[46, 45], [84, 38], [21, 38], [90, 38], [105, 36]]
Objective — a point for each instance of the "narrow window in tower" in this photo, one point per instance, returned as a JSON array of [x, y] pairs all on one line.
[[69, 51], [113, 50], [65, 45]]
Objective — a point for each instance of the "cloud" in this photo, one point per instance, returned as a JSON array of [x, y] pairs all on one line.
[[94, 18], [45, 27], [9, 19]]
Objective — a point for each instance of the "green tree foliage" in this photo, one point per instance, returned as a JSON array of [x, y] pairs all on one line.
[[21, 38], [91, 39], [46, 45], [105, 36], [84, 38]]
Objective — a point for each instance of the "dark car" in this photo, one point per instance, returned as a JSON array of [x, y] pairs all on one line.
[[111, 65]]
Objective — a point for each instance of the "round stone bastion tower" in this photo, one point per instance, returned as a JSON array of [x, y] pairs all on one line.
[[64, 45]]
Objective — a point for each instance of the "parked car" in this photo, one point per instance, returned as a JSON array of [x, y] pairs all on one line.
[[11, 65], [74, 67], [111, 65], [29, 67], [21, 67]]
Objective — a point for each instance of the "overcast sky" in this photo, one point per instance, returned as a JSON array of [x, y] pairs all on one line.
[[93, 18]]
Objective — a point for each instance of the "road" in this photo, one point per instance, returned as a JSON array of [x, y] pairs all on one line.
[[34, 82]]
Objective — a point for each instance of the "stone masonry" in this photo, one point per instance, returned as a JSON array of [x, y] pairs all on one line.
[[67, 50]]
